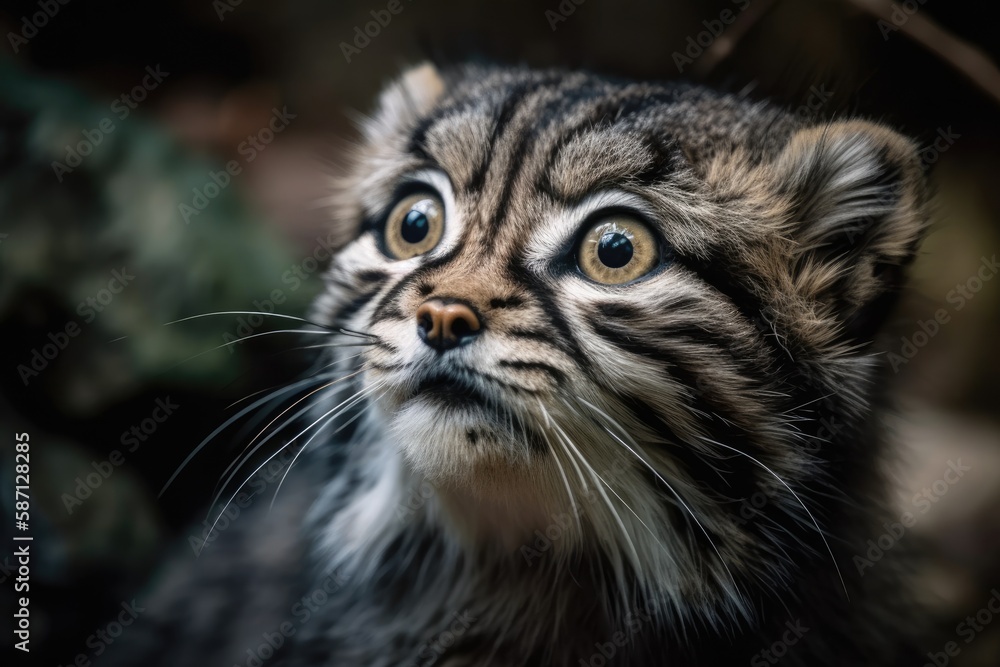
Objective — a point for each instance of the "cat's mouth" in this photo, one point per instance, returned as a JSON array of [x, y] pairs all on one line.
[[469, 400], [450, 389]]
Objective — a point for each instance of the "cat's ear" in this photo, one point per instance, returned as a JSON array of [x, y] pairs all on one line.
[[409, 97], [857, 214]]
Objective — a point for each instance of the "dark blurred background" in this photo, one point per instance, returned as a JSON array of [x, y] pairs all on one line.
[[117, 215]]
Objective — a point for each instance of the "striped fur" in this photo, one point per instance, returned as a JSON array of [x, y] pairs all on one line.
[[594, 474], [691, 389]]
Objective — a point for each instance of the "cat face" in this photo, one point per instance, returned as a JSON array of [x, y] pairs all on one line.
[[623, 303]]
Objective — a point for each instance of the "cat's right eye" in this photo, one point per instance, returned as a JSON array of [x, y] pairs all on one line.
[[618, 250], [414, 226]]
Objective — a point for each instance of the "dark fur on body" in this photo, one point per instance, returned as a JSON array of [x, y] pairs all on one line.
[[743, 365]]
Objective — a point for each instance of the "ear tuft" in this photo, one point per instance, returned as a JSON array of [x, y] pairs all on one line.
[[857, 197], [408, 98]]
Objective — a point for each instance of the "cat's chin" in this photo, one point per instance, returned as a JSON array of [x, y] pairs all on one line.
[[460, 444], [493, 487], [522, 517]]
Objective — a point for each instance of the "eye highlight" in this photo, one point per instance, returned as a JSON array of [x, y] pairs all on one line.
[[414, 226], [617, 250]]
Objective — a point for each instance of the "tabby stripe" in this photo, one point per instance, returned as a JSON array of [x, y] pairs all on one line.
[[393, 313], [739, 472], [388, 347], [486, 377], [735, 348], [632, 103], [746, 302], [418, 137], [519, 95], [385, 367], [732, 430], [551, 111], [548, 369], [351, 308], [628, 340], [615, 310], [509, 302], [389, 302], [530, 334], [550, 308], [540, 337], [668, 159], [372, 276]]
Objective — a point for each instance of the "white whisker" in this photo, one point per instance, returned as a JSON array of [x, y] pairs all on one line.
[[280, 414], [283, 448], [799, 501], [246, 312], [270, 435], [736, 593], [621, 524], [313, 436], [238, 415], [565, 480]]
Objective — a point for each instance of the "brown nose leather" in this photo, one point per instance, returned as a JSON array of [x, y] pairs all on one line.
[[443, 325]]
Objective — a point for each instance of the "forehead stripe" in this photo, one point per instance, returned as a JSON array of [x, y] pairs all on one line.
[[608, 111]]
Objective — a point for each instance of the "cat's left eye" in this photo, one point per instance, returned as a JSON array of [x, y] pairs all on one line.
[[414, 226], [618, 249]]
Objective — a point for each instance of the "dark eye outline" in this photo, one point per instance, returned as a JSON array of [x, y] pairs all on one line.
[[570, 258], [406, 189]]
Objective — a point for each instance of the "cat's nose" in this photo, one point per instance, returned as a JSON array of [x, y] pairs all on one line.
[[446, 324]]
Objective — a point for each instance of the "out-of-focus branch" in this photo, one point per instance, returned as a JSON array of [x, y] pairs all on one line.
[[964, 57], [724, 45]]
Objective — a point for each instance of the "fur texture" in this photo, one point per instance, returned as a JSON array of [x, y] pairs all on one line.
[[678, 470]]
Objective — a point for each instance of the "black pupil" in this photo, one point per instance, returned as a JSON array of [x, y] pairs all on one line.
[[614, 250], [415, 226]]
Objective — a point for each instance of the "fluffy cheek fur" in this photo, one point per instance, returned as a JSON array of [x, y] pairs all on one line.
[[457, 447]]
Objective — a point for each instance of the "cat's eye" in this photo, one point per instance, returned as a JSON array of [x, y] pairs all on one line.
[[617, 250], [414, 226]]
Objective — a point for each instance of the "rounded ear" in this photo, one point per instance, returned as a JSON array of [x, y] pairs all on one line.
[[857, 196], [400, 107], [406, 99]]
